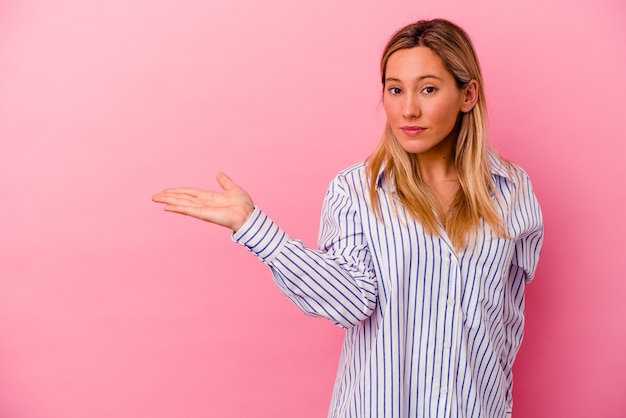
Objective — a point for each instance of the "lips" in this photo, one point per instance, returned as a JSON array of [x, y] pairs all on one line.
[[412, 130]]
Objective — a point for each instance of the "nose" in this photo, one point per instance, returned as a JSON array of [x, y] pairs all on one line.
[[410, 107]]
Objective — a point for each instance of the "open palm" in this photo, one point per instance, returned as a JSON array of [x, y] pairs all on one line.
[[230, 208]]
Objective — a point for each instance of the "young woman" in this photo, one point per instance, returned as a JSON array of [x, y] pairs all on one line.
[[424, 249]]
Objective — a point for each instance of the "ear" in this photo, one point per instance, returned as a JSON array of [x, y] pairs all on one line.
[[470, 96]]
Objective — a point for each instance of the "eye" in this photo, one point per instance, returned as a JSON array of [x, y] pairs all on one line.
[[394, 91], [429, 90]]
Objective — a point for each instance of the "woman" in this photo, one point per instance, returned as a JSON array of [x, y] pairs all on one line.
[[425, 248]]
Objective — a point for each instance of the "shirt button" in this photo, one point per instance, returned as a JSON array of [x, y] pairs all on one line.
[[444, 390], [450, 302], [446, 344]]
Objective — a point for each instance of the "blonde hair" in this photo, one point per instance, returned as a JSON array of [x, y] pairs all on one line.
[[472, 202]]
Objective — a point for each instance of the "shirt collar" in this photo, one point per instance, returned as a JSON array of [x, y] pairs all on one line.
[[498, 167]]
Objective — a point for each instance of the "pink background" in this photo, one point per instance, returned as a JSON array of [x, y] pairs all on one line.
[[110, 307]]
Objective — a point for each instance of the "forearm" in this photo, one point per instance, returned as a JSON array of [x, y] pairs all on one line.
[[339, 288], [513, 321]]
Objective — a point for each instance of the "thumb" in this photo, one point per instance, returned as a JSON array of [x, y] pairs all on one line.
[[226, 182]]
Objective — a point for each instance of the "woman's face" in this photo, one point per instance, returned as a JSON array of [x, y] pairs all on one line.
[[422, 102]]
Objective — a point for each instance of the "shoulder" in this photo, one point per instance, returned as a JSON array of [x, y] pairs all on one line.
[[355, 175], [351, 183], [515, 190], [508, 174], [355, 171]]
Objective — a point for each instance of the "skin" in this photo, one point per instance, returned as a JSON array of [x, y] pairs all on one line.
[[229, 208], [419, 91]]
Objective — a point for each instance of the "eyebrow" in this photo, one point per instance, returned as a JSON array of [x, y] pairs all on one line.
[[418, 78]]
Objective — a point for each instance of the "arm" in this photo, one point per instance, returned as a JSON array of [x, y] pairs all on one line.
[[522, 271], [336, 282]]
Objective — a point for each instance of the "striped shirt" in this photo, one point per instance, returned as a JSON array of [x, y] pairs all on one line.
[[430, 332]]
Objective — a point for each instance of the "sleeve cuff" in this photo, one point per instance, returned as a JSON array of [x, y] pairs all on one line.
[[261, 236]]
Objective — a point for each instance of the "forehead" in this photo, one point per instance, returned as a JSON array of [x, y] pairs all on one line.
[[415, 62]]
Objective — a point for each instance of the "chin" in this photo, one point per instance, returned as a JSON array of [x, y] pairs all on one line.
[[414, 147]]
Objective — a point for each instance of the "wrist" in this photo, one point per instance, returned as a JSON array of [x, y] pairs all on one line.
[[243, 219]]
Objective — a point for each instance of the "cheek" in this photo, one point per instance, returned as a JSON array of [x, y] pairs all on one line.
[[391, 110], [443, 113], [385, 105]]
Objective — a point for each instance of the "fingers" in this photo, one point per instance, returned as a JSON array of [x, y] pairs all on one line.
[[181, 203], [230, 207], [225, 182], [189, 195], [183, 210], [175, 199], [183, 190], [193, 197], [170, 197]]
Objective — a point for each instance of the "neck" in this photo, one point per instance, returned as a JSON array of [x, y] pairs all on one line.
[[441, 176], [437, 168]]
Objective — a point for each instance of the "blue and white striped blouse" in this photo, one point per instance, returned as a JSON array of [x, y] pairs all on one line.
[[429, 332]]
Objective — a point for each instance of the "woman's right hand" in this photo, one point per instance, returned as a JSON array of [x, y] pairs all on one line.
[[230, 208]]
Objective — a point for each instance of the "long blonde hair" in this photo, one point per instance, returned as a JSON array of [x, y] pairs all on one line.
[[472, 202]]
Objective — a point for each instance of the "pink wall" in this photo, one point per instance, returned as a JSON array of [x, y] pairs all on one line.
[[110, 307]]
